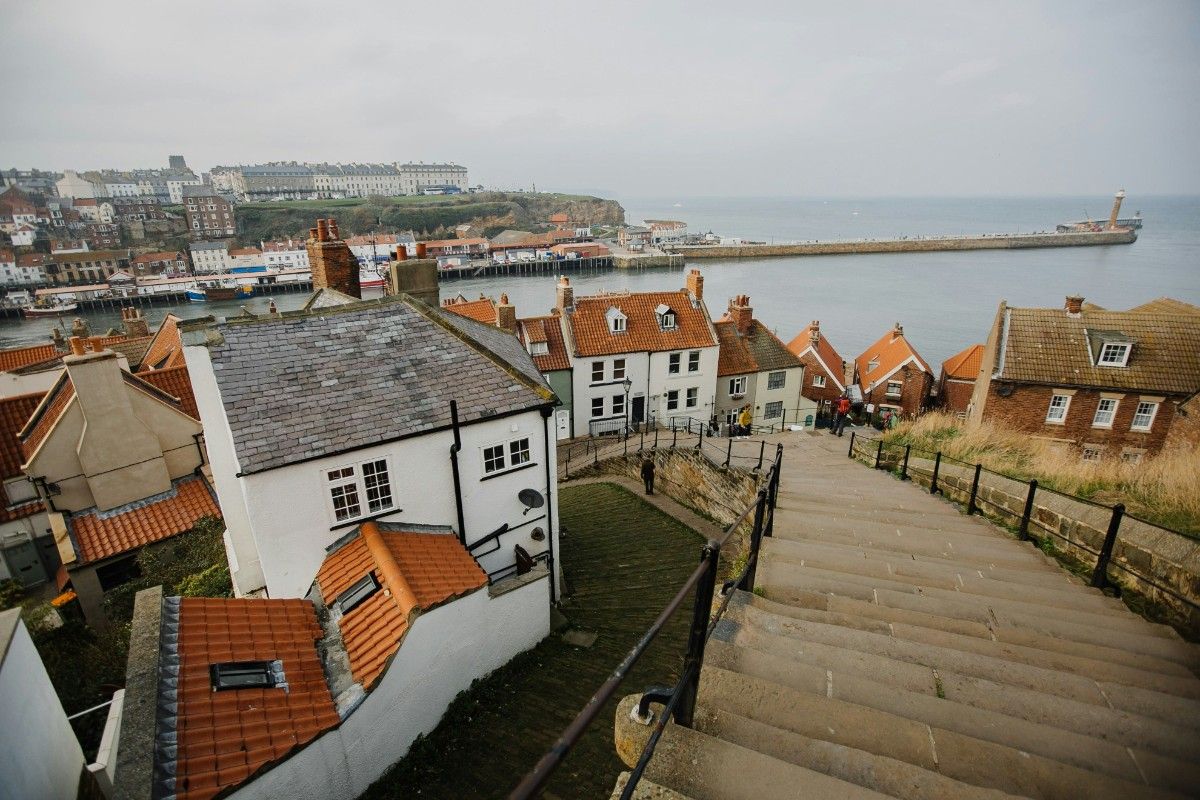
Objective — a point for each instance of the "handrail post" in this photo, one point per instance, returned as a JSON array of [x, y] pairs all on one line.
[[699, 444], [655, 437], [904, 468], [971, 507], [674, 434], [756, 534], [773, 498], [850, 452], [728, 452], [641, 441], [762, 448], [1025, 515], [627, 444], [567, 467], [878, 453], [937, 467], [698, 637], [1100, 576]]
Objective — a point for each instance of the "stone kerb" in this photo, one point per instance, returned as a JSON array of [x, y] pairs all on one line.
[[1167, 558]]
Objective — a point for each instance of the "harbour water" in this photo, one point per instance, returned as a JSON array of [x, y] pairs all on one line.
[[945, 300]]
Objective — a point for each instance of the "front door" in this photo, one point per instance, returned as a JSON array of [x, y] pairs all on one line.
[[638, 411], [562, 422]]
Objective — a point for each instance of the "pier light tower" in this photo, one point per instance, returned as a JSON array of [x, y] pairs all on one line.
[[1112, 218]]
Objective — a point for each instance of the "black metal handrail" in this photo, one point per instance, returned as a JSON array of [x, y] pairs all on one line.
[[679, 700], [1103, 556]]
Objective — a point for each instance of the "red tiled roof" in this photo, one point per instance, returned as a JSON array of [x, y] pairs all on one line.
[[824, 350], [20, 512], [164, 255], [535, 240], [756, 351], [223, 737], [376, 239], [176, 382], [964, 365], [14, 413], [889, 352], [109, 533], [549, 330], [417, 570], [16, 357], [165, 344], [46, 416], [481, 310], [590, 331]]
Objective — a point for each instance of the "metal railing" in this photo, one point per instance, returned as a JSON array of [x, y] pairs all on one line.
[[1116, 513], [679, 700]]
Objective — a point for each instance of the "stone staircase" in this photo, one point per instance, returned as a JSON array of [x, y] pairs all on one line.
[[897, 648]]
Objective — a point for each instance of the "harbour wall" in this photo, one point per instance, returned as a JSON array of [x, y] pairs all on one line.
[[997, 242]]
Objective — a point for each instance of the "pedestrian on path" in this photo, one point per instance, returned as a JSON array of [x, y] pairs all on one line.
[[745, 421], [648, 475], [843, 410]]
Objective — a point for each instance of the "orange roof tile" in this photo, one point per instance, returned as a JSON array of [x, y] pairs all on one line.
[[964, 365], [222, 737], [46, 415], [20, 512], [535, 240], [100, 534], [592, 337], [22, 356], [758, 350], [481, 310], [165, 343], [888, 353], [418, 570], [824, 350], [549, 330], [14, 413], [176, 382]]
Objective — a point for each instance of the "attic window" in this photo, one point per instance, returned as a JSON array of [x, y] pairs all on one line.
[[666, 317], [242, 675], [1114, 354], [616, 320], [538, 348], [357, 594], [872, 364]]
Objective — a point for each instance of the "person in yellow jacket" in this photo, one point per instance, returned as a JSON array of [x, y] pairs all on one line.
[[744, 420]]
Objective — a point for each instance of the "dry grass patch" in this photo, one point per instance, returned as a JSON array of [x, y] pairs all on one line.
[[1164, 489]]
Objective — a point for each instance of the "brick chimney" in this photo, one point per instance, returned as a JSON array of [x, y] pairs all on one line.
[[333, 265], [1074, 305], [695, 284], [564, 295], [816, 331], [134, 323], [506, 315], [897, 331], [741, 313]]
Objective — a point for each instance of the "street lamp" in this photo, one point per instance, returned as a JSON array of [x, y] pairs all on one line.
[[628, 384]]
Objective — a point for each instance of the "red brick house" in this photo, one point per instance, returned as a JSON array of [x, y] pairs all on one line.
[[1105, 383], [892, 375], [824, 369], [957, 380]]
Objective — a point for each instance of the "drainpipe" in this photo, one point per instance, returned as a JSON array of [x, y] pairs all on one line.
[[196, 437], [454, 450], [547, 414], [40, 483], [646, 404]]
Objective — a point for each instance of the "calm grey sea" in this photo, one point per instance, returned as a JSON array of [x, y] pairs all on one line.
[[944, 300]]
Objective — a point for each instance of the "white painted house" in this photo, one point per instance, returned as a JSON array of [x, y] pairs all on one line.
[[320, 420], [662, 343], [210, 257]]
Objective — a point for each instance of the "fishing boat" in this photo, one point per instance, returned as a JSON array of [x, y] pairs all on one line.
[[219, 290], [48, 308]]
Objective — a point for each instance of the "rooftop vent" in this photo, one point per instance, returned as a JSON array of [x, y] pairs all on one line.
[[244, 675], [357, 594]]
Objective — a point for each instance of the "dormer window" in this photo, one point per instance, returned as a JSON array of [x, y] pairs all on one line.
[[1114, 354], [538, 349], [873, 364], [616, 320], [666, 317]]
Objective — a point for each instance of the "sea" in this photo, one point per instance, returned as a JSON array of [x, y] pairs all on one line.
[[945, 301]]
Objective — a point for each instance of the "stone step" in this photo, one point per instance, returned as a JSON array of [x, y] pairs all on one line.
[[1004, 714], [645, 790], [961, 580], [838, 515], [955, 755], [962, 654], [906, 563], [1121, 631], [703, 767], [868, 616]]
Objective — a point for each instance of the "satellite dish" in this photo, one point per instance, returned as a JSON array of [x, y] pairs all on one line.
[[530, 498], [538, 535]]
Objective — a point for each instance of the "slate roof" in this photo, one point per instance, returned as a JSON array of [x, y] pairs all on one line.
[[16, 357], [209, 741], [964, 365], [415, 571], [890, 351], [592, 337], [101, 534], [759, 350], [313, 385], [546, 329], [1046, 346]]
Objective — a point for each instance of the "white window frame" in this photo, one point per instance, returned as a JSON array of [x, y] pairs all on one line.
[[694, 361], [616, 323], [618, 369], [358, 480], [538, 348], [899, 388], [1066, 407], [691, 398], [1122, 349], [737, 386], [819, 381], [618, 405], [668, 321], [674, 363], [1105, 422], [597, 412], [781, 375], [1137, 412], [513, 455], [672, 400], [597, 372]]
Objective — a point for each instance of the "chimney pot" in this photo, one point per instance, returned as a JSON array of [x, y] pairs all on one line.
[[78, 345], [96, 343], [1074, 305], [312, 233], [402, 253], [420, 249], [322, 231], [333, 229], [564, 295]]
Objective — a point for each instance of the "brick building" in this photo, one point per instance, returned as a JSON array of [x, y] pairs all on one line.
[[893, 376], [824, 369], [957, 381], [1105, 383], [162, 263], [90, 266], [209, 216]]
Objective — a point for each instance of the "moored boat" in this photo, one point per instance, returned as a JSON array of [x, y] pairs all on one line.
[[45, 309]]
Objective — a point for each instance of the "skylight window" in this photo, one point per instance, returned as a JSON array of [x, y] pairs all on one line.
[[357, 594], [242, 675]]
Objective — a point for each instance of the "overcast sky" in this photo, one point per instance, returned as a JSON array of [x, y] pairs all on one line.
[[646, 98]]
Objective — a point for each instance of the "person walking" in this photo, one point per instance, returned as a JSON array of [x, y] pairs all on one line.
[[843, 410], [648, 474], [745, 420]]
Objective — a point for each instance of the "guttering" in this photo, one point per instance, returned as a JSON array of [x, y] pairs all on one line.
[[454, 450], [547, 413]]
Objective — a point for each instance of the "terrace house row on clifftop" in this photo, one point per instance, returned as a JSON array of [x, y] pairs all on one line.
[[1105, 383]]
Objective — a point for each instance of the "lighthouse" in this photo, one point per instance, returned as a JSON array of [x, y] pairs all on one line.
[[1112, 218]]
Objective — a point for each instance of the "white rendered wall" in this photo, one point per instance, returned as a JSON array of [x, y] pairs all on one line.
[[705, 379], [43, 756], [444, 651]]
